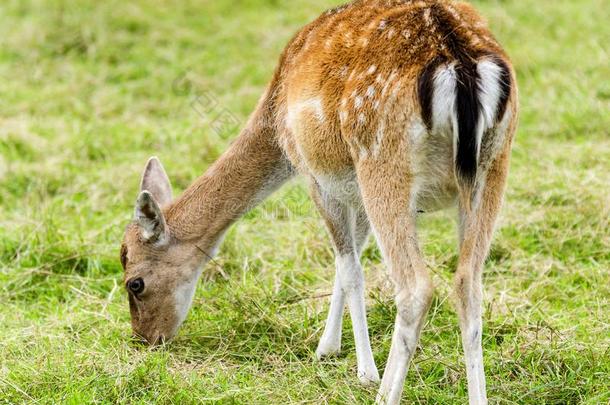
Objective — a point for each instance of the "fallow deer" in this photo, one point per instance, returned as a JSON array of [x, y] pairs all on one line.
[[390, 109]]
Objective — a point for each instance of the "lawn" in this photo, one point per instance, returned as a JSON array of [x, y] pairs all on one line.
[[89, 90]]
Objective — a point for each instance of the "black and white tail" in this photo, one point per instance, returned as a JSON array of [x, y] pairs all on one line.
[[467, 97]]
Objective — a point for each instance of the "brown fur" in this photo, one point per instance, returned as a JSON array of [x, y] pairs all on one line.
[[341, 101]]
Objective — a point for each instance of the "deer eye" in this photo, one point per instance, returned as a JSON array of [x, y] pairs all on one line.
[[136, 286]]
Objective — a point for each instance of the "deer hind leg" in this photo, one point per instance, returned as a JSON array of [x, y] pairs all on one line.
[[349, 229], [476, 228], [388, 194]]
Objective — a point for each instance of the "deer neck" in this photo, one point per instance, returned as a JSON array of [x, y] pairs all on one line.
[[252, 168]]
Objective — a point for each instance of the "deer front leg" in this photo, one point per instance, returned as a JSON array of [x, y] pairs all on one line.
[[348, 230]]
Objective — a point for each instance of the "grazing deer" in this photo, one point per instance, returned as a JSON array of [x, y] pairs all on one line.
[[390, 109]]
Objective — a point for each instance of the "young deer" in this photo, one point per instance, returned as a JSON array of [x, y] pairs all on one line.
[[390, 108]]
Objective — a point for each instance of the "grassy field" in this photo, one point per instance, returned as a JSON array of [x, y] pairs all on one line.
[[89, 90]]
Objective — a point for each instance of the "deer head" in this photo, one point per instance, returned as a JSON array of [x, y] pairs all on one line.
[[161, 271]]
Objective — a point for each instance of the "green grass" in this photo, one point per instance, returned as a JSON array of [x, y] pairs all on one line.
[[90, 90]]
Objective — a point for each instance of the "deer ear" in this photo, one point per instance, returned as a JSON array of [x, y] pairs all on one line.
[[149, 218], [155, 181]]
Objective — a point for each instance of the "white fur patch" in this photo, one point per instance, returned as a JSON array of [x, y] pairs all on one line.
[[416, 131], [444, 114], [491, 92], [489, 95], [349, 271], [183, 295], [314, 105], [342, 186], [444, 98]]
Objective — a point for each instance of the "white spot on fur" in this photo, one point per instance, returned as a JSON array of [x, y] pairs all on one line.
[[349, 41], [427, 18], [376, 105], [391, 33], [392, 77], [379, 134], [343, 71], [361, 118], [455, 14], [385, 88], [406, 34], [364, 42], [382, 24], [370, 92], [396, 89], [358, 102], [372, 69]]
